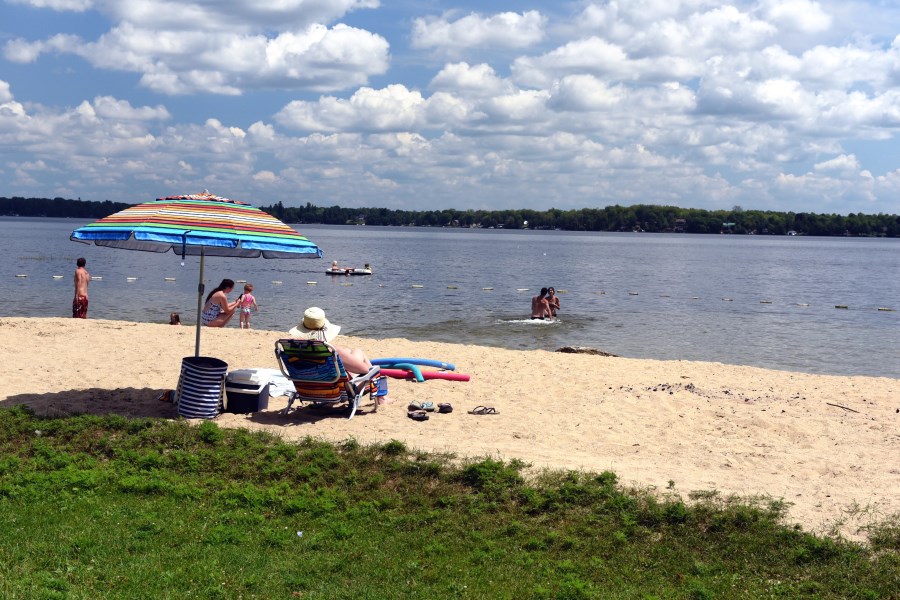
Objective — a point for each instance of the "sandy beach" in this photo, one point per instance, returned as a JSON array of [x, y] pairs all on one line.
[[829, 446]]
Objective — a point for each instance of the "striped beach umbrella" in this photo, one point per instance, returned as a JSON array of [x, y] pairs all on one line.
[[198, 224]]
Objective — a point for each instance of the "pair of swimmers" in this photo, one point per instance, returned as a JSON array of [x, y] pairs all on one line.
[[545, 305]]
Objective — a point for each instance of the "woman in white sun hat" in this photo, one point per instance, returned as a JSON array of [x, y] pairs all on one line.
[[315, 326]]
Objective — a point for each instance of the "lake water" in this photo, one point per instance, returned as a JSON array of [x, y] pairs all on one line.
[[752, 300]]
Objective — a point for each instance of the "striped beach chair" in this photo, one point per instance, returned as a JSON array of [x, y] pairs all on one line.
[[319, 376]]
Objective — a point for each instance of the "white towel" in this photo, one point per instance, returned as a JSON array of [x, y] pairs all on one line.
[[279, 385]]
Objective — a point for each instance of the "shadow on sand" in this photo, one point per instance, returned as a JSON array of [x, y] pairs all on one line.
[[305, 415], [143, 402], [127, 402]]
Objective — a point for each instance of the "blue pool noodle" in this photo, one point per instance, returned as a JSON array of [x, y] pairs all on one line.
[[425, 362]]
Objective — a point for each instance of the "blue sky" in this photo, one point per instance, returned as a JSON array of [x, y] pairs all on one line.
[[789, 105]]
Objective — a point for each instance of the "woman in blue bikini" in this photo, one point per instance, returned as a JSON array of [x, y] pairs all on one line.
[[218, 310]]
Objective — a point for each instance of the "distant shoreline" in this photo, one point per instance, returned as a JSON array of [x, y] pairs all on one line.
[[642, 218]]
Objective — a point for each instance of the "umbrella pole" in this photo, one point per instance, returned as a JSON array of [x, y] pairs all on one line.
[[200, 290]]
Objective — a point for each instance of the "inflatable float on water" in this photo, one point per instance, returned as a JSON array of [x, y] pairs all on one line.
[[349, 272]]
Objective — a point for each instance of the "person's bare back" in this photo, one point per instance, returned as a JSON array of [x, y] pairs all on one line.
[[82, 279], [540, 308]]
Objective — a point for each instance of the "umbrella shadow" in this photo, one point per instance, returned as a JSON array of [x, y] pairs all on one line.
[[126, 402]]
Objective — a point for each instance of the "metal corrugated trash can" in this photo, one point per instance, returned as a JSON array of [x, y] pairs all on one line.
[[200, 385]]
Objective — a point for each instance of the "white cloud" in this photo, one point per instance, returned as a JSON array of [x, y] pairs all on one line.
[[111, 108], [592, 56], [60, 5], [265, 177], [226, 15], [524, 108], [464, 79], [806, 16], [5, 94], [585, 93], [317, 58], [721, 29], [842, 163], [502, 30], [394, 108]]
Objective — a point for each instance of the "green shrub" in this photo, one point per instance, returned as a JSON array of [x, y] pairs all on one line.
[[394, 448], [210, 433]]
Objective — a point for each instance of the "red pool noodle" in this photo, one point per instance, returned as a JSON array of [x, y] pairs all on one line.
[[403, 374]]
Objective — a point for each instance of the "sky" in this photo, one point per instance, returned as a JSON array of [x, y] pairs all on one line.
[[784, 105]]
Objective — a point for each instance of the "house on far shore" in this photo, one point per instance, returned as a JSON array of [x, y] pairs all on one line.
[[679, 226]]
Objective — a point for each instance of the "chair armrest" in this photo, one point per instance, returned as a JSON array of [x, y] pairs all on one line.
[[367, 377]]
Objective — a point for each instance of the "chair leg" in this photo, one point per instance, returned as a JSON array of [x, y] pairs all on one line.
[[287, 408]]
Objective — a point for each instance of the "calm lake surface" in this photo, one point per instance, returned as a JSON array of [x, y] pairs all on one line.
[[751, 300]]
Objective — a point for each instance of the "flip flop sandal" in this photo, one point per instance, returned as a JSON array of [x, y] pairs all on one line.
[[417, 415], [414, 405], [427, 406], [484, 410], [445, 407]]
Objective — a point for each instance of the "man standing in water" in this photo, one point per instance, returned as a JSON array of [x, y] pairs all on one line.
[[540, 308], [82, 278]]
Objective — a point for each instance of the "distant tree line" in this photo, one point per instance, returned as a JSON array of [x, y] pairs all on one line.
[[58, 207], [640, 217]]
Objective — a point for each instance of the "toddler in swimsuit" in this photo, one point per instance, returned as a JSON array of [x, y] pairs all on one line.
[[247, 302]]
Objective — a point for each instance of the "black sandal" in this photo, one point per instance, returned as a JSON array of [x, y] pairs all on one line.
[[417, 415]]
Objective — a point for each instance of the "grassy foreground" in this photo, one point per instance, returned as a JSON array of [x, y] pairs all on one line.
[[107, 507]]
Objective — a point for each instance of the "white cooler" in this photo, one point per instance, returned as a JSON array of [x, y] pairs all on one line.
[[246, 391]]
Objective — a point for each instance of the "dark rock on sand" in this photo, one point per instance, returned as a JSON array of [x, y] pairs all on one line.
[[583, 350]]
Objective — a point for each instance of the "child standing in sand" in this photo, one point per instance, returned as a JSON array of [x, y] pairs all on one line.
[[247, 302]]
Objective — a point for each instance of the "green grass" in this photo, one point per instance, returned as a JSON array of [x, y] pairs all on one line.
[[107, 507]]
